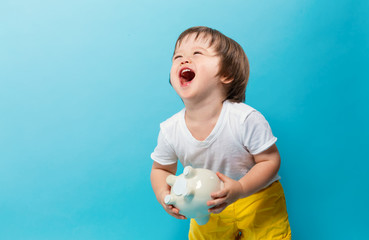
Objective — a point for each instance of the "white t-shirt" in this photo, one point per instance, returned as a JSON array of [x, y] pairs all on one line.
[[239, 133]]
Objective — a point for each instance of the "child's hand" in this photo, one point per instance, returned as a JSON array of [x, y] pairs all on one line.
[[230, 193], [170, 209]]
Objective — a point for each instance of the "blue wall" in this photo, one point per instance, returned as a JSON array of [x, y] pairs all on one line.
[[84, 86]]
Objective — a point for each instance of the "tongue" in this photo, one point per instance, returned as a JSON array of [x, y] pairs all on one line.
[[188, 75]]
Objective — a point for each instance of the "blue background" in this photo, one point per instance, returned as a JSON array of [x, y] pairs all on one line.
[[84, 86]]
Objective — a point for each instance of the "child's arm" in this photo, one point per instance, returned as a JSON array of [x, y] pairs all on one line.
[[266, 167], [159, 174]]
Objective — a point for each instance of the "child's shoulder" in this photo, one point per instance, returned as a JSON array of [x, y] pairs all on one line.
[[173, 120], [239, 111]]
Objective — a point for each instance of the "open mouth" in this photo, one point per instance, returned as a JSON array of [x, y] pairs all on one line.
[[186, 75]]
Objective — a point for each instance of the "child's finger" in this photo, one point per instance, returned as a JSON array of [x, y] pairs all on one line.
[[175, 212], [172, 209], [220, 194], [218, 208], [223, 177], [216, 202], [179, 216]]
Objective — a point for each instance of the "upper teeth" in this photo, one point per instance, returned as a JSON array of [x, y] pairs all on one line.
[[186, 70]]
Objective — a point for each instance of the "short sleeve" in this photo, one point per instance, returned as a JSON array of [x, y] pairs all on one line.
[[258, 135], [164, 153]]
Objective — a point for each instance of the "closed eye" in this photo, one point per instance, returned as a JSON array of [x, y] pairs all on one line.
[[176, 57], [197, 52]]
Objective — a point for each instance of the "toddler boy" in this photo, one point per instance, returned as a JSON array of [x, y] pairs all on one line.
[[217, 131]]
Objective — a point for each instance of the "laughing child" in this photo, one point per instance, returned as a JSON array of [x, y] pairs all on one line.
[[217, 131]]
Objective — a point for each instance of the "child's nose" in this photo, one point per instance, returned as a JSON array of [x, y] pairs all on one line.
[[185, 61]]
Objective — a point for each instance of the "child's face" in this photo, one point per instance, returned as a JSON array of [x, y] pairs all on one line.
[[194, 72]]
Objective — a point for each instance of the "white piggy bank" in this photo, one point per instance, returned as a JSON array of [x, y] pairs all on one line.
[[191, 190]]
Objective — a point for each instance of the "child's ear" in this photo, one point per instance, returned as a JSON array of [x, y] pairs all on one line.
[[225, 80]]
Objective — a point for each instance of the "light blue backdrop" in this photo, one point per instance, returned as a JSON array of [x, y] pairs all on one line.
[[84, 86]]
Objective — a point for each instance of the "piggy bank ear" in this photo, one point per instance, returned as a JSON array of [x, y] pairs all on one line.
[[188, 172]]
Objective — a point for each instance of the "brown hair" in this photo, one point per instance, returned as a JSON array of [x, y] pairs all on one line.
[[233, 60]]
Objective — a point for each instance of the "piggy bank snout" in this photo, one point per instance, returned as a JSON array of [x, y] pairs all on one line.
[[179, 189]]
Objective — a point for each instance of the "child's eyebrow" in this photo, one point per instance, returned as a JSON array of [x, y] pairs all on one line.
[[201, 48], [194, 48]]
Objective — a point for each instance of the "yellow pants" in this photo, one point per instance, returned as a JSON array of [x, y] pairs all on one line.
[[262, 215]]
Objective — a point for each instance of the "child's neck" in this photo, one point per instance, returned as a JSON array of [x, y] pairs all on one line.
[[201, 118], [203, 112]]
